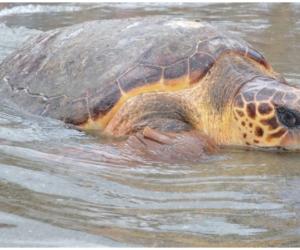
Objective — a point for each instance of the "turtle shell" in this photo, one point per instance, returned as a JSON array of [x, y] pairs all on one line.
[[82, 74]]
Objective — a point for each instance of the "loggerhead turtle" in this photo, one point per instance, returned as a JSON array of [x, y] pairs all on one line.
[[176, 86]]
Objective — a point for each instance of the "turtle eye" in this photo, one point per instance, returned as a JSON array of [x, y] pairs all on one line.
[[288, 117]]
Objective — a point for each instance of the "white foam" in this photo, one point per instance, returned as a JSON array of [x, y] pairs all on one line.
[[184, 24], [38, 8]]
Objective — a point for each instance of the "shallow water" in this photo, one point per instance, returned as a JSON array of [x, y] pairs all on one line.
[[62, 187]]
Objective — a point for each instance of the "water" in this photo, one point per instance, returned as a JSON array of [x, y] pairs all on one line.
[[62, 187]]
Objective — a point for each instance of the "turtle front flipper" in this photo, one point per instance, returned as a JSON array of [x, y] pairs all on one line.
[[158, 124], [184, 146], [191, 145]]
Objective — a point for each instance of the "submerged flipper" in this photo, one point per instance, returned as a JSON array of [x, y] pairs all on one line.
[[184, 146]]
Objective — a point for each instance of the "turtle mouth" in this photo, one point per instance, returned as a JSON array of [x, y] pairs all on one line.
[[277, 149], [281, 149]]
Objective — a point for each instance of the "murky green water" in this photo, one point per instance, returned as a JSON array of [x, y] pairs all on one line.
[[62, 187]]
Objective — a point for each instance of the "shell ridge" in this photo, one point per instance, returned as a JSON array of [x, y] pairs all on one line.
[[204, 53], [205, 40]]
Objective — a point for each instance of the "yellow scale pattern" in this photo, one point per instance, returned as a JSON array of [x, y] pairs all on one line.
[[257, 122]]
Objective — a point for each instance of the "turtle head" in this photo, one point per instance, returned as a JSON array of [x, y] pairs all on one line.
[[268, 114]]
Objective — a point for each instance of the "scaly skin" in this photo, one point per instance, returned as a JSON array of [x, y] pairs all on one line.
[[267, 115]]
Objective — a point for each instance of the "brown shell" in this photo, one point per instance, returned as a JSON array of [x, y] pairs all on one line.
[[82, 74]]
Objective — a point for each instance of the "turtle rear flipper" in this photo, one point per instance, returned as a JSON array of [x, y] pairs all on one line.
[[184, 146]]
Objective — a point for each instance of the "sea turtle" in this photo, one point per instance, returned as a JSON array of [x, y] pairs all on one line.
[[173, 85]]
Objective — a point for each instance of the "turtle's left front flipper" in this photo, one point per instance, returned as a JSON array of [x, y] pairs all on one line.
[[183, 146]]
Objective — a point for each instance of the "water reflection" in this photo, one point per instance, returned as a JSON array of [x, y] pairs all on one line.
[[58, 183]]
